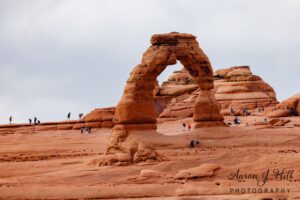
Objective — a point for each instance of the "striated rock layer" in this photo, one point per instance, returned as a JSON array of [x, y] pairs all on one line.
[[234, 87], [288, 107], [98, 118]]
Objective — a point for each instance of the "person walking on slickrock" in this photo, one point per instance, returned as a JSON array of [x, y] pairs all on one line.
[[69, 116], [30, 121], [245, 112], [35, 120], [231, 112], [10, 119]]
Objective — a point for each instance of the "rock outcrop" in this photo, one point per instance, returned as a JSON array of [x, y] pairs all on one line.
[[137, 109], [238, 88], [98, 118], [235, 88], [103, 115], [198, 172], [288, 107], [137, 105]]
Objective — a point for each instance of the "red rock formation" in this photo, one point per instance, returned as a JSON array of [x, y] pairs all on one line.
[[137, 105], [288, 107], [238, 88], [100, 115], [137, 111], [235, 87], [98, 118]]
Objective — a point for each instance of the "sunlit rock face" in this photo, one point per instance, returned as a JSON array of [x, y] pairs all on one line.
[[137, 105], [235, 87]]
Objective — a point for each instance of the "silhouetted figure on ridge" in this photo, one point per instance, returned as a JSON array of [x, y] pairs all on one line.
[[30, 121], [10, 119], [69, 116]]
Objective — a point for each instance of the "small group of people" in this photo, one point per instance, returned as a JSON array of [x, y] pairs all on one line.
[[261, 109], [194, 143], [86, 130], [245, 111], [188, 125], [35, 121]]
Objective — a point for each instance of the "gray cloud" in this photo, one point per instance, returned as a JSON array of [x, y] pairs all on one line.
[[61, 56]]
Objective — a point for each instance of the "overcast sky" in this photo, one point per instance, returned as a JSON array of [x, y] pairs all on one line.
[[60, 56]]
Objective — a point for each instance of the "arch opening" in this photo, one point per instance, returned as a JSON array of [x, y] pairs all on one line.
[[165, 74]]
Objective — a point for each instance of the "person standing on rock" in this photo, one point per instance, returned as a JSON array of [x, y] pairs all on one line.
[[35, 120], [69, 116], [231, 111], [183, 126], [237, 121], [10, 119], [245, 112], [189, 126], [293, 111], [30, 121]]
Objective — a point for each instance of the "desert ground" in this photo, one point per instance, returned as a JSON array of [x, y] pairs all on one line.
[[61, 164]]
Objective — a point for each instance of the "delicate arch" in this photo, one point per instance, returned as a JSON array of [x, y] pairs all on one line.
[[137, 104]]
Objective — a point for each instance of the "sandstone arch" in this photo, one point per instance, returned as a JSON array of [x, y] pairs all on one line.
[[136, 109], [137, 104]]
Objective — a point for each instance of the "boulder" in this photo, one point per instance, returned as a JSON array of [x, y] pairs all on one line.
[[100, 114], [124, 158], [282, 122], [150, 173], [144, 153], [203, 170], [93, 116], [278, 113], [279, 121]]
